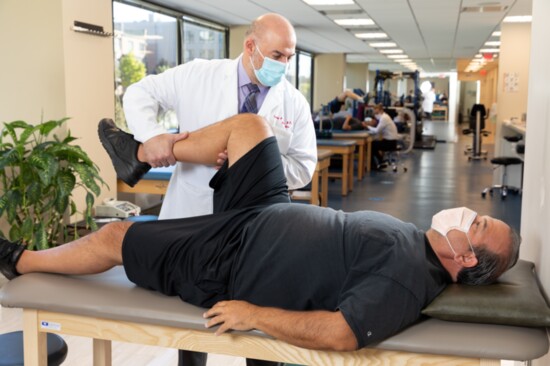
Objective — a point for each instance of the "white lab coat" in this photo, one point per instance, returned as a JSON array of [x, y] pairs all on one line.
[[202, 92], [428, 101]]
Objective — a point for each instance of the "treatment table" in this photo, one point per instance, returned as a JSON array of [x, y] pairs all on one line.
[[108, 307]]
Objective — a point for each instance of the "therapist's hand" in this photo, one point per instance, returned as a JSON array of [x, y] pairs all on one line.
[[158, 151]]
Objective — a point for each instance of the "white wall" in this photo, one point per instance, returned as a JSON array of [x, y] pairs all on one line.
[[329, 72], [535, 213], [356, 76], [236, 40], [514, 58]]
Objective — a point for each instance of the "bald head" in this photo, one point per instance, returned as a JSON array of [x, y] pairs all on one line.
[[269, 26]]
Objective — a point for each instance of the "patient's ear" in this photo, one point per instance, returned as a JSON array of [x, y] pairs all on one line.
[[467, 260]]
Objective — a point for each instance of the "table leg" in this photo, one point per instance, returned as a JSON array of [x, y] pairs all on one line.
[[345, 173], [315, 189], [361, 163], [369, 154]]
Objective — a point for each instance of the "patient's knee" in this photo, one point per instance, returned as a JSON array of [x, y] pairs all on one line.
[[114, 232], [257, 124]]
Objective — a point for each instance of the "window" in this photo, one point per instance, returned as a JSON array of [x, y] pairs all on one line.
[[305, 75], [202, 41], [291, 71], [147, 42]]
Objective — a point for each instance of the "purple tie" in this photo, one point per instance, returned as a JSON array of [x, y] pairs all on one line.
[[249, 105]]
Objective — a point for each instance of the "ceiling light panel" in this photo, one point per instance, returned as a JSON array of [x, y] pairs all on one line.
[[371, 35], [382, 44], [518, 19], [484, 9], [354, 22], [391, 51], [328, 2]]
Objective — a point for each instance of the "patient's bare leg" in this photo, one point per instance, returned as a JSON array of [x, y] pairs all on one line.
[[93, 253]]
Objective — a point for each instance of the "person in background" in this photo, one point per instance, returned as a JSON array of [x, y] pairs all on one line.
[[443, 99], [428, 101], [202, 92], [335, 105], [344, 120], [383, 127]]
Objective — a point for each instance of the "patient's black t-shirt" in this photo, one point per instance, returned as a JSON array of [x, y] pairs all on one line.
[[377, 270]]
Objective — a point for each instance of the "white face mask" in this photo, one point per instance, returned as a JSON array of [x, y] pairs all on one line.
[[460, 218]]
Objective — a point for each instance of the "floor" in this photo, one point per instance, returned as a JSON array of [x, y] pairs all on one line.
[[436, 179]]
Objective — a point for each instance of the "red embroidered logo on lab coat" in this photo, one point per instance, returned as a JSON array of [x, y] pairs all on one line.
[[286, 124]]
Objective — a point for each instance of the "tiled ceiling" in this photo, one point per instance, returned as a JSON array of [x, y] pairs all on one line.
[[433, 33]]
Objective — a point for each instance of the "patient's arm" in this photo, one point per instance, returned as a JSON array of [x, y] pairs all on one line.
[[321, 330]]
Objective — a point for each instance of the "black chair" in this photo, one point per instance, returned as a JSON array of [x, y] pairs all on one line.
[[503, 161], [478, 115], [393, 157], [11, 349]]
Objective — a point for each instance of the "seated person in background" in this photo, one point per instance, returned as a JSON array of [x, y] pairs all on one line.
[[382, 126], [307, 275], [335, 105], [401, 120], [443, 98]]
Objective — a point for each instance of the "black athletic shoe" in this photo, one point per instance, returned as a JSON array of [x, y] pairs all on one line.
[[9, 256], [122, 148]]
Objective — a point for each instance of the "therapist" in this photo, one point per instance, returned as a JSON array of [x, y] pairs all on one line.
[[203, 92]]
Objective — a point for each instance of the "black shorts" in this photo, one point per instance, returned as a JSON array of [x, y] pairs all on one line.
[[193, 257], [335, 105]]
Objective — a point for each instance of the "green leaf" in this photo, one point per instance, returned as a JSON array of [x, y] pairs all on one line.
[[47, 167], [15, 233], [34, 193], [27, 228], [3, 204], [66, 182], [11, 127], [73, 208], [90, 223], [14, 201], [47, 127], [61, 204], [87, 176], [40, 237], [10, 158]]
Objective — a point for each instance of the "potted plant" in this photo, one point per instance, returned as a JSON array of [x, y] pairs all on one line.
[[38, 175]]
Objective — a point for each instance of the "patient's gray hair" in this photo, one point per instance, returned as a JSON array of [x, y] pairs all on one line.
[[489, 264]]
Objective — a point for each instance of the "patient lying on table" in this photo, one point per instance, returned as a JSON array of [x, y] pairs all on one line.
[[311, 276]]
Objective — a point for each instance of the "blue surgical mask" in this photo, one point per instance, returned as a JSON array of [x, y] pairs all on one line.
[[271, 72]]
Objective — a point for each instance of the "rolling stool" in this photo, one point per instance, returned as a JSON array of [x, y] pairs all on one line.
[[504, 189], [11, 349], [394, 158]]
